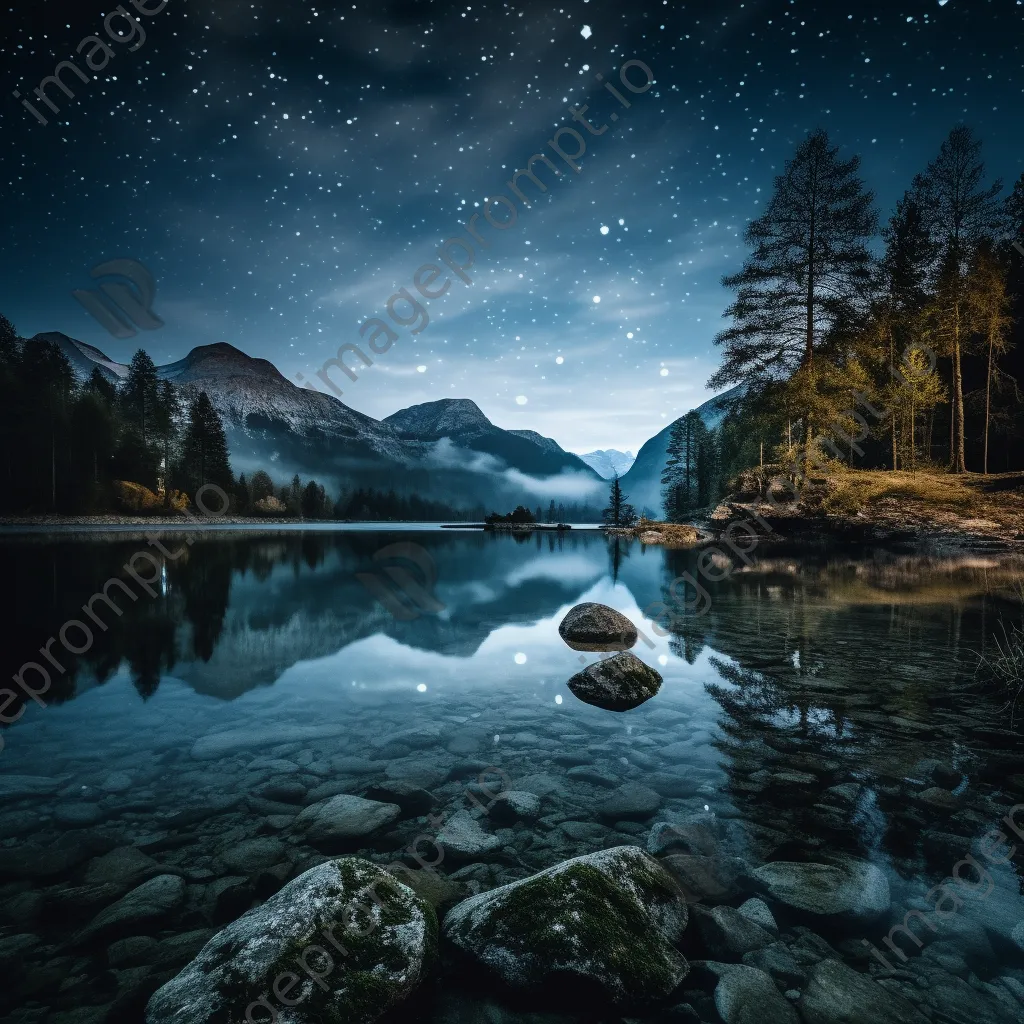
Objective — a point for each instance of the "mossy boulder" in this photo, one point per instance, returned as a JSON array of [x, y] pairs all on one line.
[[619, 683], [341, 944], [601, 926], [596, 627]]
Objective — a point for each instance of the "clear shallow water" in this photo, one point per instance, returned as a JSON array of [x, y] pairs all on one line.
[[823, 706]]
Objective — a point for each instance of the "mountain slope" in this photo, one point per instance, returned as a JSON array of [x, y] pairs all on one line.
[[609, 462], [643, 481], [463, 423], [445, 450]]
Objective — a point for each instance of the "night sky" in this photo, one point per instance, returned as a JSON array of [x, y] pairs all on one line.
[[283, 169]]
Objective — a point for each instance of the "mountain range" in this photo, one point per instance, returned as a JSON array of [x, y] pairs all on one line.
[[609, 462], [445, 450]]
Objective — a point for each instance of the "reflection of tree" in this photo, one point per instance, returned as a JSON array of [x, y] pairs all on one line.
[[150, 648], [617, 550], [204, 580], [824, 682]]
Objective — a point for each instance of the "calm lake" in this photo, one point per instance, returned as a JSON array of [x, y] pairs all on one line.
[[825, 707]]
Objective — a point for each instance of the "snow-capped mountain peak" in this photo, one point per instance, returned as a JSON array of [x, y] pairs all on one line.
[[609, 462]]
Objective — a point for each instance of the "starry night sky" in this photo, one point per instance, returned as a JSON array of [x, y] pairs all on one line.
[[283, 169]]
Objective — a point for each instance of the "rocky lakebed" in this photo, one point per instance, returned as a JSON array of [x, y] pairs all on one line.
[[622, 854]]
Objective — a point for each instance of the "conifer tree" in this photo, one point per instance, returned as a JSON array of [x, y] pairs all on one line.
[[140, 394], [618, 512], [809, 271], [960, 213], [166, 415], [204, 457], [679, 479], [988, 306]]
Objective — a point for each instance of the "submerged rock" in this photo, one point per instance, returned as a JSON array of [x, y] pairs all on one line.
[[630, 802], [463, 839], [727, 934], [285, 946], [515, 804], [344, 817], [745, 995], [619, 683], [836, 994], [606, 922], [852, 889], [142, 908], [596, 627]]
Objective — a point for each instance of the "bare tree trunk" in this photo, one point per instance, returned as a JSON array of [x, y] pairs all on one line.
[[988, 397], [959, 463]]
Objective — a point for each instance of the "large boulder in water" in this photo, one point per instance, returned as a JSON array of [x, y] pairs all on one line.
[[290, 945], [603, 925], [619, 683], [596, 627]]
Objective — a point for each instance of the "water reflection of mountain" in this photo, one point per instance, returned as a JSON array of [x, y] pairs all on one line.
[[234, 612]]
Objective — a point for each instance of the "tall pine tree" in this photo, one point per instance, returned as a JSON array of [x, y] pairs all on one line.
[[618, 512], [960, 213], [204, 458], [809, 273]]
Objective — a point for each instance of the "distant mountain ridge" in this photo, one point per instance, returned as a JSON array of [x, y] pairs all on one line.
[[609, 462], [448, 449], [461, 420]]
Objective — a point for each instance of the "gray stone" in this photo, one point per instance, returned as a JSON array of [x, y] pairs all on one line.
[[515, 805], [282, 791], [630, 802], [777, 961], [254, 855], [745, 995], [727, 934], [706, 878], [462, 838], [757, 911], [144, 907], [392, 949], [851, 889], [126, 866], [344, 817], [594, 776], [411, 798], [596, 627], [939, 800], [610, 919], [619, 683], [117, 782], [697, 838], [836, 994]]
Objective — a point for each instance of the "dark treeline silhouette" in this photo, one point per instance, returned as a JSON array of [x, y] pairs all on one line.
[[66, 442], [372, 505]]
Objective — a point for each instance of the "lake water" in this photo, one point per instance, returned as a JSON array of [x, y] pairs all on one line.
[[826, 706]]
